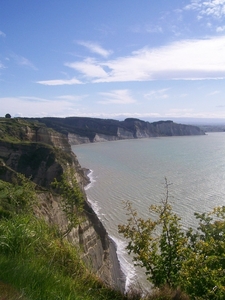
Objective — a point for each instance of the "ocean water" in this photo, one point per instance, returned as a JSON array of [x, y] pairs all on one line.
[[135, 170]]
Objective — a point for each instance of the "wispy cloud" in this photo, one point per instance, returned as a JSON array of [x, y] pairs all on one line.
[[90, 68], [1, 66], [157, 94], [2, 34], [220, 29], [181, 60], [95, 48], [117, 97], [29, 106], [32, 99], [215, 8], [149, 28], [177, 112], [214, 93], [198, 59], [58, 98], [72, 97], [60, 82], [154, 29], [22, 61]]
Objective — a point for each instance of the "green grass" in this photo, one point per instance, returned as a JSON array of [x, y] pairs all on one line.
[[14, 129], [39, 265]]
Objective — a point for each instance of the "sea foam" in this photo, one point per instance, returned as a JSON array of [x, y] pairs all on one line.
[[126, 267]]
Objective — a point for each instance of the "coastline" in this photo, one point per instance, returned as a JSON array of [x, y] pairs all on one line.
[[118, 275]]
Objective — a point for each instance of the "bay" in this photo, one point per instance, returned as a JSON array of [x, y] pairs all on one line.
[[135, 170]]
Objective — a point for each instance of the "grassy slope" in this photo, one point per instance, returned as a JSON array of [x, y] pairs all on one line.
[[35, 263]]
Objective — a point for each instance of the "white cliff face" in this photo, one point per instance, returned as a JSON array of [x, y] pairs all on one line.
[[127, 129], [75, 139], [124, 134]]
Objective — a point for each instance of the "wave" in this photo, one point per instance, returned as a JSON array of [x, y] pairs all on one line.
[[126, 267], [92, 180]]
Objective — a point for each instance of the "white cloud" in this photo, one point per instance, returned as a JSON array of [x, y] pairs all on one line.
[[72, 97], [38, 107], [154, 29], [183, 95], [117, 97], [157, 94], [220, 29], [149, 28], [188, 113], [60, 82], [214, 93], [31, 99], [183, 60], [2, 34], [95, 48], [177, 112], [22, 61], [1, 66], [198, 59], [89, 67], [215, 8]]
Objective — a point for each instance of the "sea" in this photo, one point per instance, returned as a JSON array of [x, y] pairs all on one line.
[[135, 170]]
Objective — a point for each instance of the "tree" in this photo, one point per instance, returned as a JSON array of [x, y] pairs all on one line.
[[203, 273], [158, 245], [193, 260], [8, 116], [72, 198]]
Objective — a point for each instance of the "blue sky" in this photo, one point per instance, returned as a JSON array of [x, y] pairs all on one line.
[[113, 59]]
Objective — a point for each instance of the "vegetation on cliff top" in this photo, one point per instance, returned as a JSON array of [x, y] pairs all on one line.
[[15, 130]]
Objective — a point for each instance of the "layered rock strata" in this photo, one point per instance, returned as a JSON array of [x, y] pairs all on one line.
[[42, 155], [90, 130]]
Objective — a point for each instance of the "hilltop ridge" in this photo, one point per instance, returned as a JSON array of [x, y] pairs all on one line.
[[89, 130]]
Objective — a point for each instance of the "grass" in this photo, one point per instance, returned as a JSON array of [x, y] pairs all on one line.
[[36, 264]]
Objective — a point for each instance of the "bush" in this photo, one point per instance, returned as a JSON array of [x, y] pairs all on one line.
[[193, 260]]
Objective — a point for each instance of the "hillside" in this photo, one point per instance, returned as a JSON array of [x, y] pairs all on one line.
[[89, 130], [43, 155]]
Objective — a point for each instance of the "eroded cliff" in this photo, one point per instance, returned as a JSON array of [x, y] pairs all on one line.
[[42, 155], [89, 130]]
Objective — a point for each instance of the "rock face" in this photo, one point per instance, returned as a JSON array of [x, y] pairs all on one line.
[[89, 130], [42, 155]]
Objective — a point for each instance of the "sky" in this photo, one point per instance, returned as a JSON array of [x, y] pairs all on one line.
[[115, 59]]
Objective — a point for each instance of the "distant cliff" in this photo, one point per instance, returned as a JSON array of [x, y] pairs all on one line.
[[42, 154], [88, 130]]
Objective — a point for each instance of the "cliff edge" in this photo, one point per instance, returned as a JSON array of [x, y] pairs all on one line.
[[89, 130], [42, 155]]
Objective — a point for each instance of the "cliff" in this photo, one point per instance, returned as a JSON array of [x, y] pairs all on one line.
[[42, 154], [89, 130]]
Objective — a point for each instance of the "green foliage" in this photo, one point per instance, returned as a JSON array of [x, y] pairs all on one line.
[[158, 245], [17, 197], [203, 272], [72, 198], [36, 262], [15, 129], [193, 260]]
